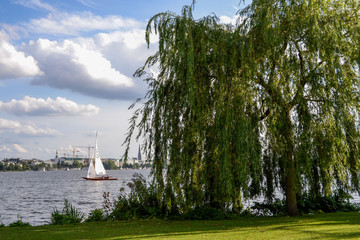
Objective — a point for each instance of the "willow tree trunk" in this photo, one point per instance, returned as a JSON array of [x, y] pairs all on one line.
[[290, 173]]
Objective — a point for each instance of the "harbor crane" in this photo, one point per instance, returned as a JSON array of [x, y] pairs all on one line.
[[65, 154], [88, 148]]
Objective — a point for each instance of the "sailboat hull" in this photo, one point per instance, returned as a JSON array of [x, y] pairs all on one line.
[[96, 171], [99, 178]]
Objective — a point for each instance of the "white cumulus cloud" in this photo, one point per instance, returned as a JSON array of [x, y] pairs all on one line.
[[14, 63], [80, 68], [25, 129], [131, 39], [127, 50], [100, 66], [47, 107]]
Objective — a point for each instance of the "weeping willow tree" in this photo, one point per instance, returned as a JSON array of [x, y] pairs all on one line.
[[239, 111]]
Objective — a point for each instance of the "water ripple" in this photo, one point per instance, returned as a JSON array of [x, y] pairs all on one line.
[[32, 196]]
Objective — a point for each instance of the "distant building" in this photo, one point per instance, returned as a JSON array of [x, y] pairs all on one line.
[[139, 155], [67, 160], [35, 162]]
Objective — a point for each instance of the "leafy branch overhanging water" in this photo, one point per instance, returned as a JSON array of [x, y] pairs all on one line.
[[238, 111]]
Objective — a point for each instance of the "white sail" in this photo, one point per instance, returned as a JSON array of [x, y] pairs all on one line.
[[99, 167], [91, 171]]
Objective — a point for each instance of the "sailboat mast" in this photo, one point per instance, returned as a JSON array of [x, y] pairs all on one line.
[[96, 170], [95, 149], [89, 154]]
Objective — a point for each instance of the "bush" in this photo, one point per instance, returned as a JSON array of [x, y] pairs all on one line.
[[143, 202], [327, 204], [18, 223], [140, 203], [308, 204], [68, 215], [96, 215]]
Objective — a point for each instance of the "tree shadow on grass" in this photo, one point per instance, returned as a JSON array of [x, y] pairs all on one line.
[[323, 226]]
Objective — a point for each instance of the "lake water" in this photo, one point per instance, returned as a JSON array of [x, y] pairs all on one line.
[[34, 195]]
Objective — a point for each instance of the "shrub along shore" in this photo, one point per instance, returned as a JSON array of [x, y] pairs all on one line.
[[142, 203], [139, 215]]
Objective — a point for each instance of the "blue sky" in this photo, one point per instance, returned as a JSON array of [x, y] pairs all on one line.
[[66, 70]]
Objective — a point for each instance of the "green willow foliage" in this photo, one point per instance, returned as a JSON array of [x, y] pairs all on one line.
[[238, 111]]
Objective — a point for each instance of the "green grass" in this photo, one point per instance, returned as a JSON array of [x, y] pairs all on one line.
[[321, 226]]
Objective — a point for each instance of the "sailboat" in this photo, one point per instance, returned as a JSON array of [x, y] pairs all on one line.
[[96, 171]]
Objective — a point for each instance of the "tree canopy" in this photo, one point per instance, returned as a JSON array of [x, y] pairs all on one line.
[[238, 111]]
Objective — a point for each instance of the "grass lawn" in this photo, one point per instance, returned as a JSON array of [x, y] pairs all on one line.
[[320, 226]]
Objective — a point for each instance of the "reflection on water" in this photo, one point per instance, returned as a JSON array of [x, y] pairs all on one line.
[[34, 195]]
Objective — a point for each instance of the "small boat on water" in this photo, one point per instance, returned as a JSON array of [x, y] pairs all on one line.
[[96, 171]]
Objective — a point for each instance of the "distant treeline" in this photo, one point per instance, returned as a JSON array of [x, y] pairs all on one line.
[[34, 165], [23, 166]]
